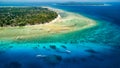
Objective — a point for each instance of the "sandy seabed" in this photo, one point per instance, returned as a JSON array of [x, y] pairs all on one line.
[[87, 44], [64, 23]]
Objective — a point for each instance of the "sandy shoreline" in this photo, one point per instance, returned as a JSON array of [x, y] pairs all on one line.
[[62, 24]]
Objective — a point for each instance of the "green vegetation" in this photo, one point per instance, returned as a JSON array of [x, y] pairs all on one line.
[[21, 16]]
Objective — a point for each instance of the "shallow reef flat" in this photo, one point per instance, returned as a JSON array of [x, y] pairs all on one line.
[[70, 41], [66, 22]]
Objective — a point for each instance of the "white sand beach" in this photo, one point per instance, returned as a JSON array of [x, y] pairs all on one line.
[[64, 23]]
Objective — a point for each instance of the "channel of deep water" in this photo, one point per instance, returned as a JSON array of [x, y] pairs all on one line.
[[74, 41]]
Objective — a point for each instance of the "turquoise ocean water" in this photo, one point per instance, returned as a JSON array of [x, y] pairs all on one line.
[[97, 47]]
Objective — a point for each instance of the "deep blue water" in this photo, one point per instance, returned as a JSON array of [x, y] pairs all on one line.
[[109, 13], [82, 55]]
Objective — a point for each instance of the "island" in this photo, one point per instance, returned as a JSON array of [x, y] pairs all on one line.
[[82, 4], [21, 16], [37, 29]]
